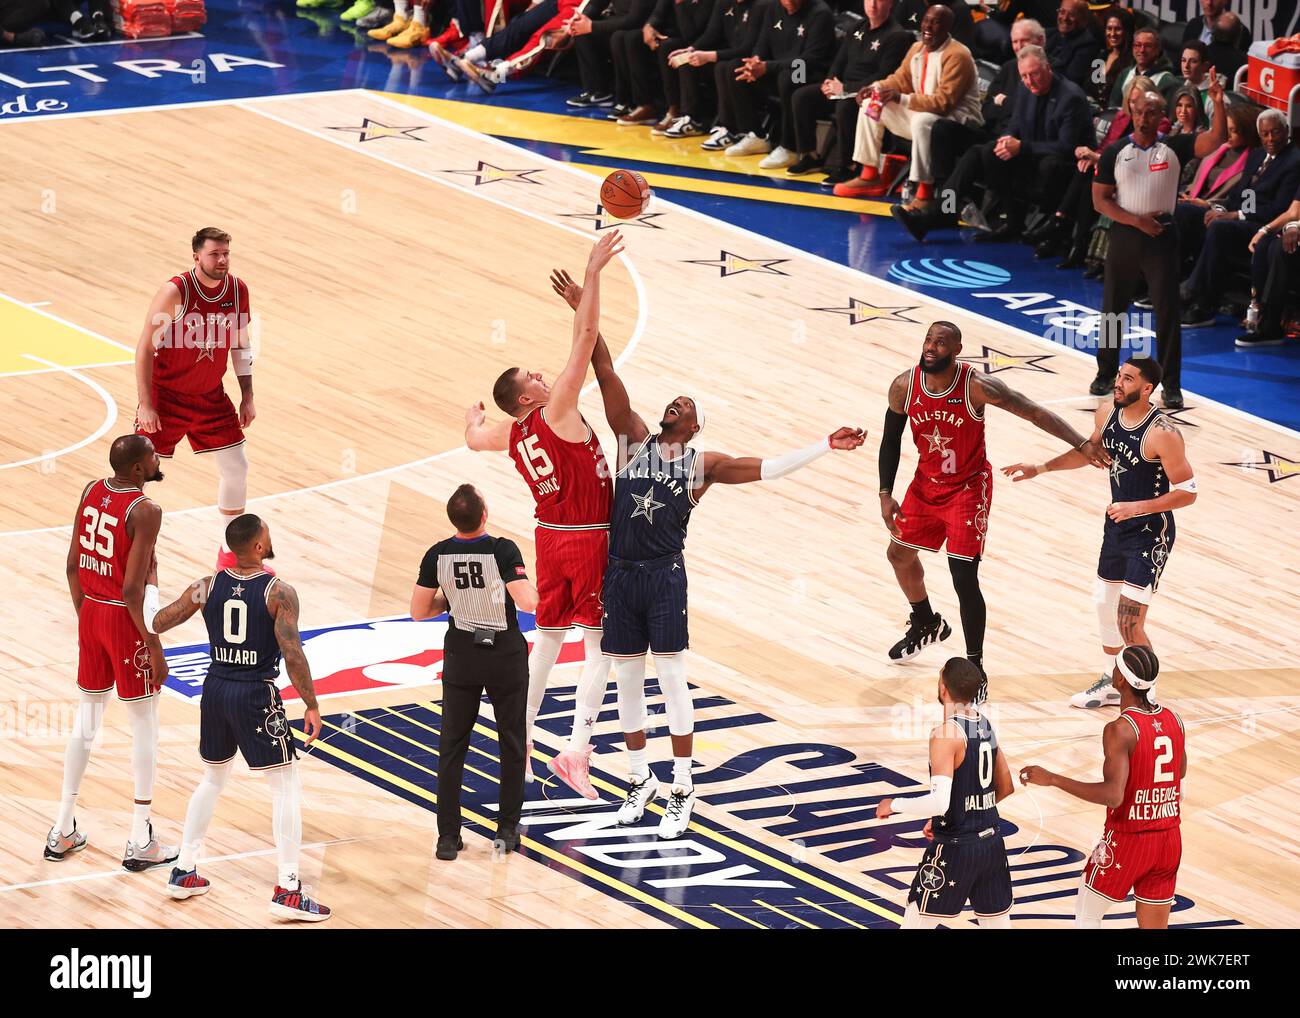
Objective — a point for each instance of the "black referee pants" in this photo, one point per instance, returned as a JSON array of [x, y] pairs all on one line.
[[1132, 254], [507, 689]]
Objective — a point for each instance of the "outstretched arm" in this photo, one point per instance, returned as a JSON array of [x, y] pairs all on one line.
[[625, 422], [990, 391], [719, 468], [562, 406], [183, 607], [1117, 742], [282, 600], [1067, 460]]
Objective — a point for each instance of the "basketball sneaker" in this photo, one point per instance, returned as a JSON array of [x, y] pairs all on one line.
[[358, 10], [749, 145], [485, 80], [574, 769], [58, 846], [377, 18], [720, 140], [413, 36], [450, 37], [677, 813], [294, 904], [918, 637], [640, 794], [445, 59], [1100, 694], [394, 27], [152, 853], [685, 127], [186, 884]]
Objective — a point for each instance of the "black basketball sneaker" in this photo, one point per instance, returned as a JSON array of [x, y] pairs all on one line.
[[919, 636]]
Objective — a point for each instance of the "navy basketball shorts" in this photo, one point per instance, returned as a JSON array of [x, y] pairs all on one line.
[[1135, 553], [248, 716], [955, 872], [645, 607]]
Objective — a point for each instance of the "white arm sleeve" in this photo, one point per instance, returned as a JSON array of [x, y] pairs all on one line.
[[151, 606], [243, 358], [932, 804], [789, 462]]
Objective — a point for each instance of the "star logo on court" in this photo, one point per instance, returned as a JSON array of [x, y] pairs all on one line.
[[999, 360], [1117, 468], [604, 221], [860, 311], [646, 506], [238, 590], [1278, 468], [372, 129], [489, 174], [938, 443], [103, 503], [729, 264]]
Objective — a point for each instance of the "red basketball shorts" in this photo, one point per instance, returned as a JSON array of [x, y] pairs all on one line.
[[958, 514], [207, 419], [112, 652], [1144, 862], [570, 572]]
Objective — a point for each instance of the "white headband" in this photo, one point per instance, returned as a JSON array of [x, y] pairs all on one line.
[[1130, 676], [699, 413]]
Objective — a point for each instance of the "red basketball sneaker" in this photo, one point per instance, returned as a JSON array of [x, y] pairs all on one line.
[[295, 904], [574, 769], [186, 884]]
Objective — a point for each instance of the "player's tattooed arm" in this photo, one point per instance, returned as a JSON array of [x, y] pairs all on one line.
[[282, 600], [1067, 460], [183, 607], [1164, 442], [988, 390], [1118, 741]]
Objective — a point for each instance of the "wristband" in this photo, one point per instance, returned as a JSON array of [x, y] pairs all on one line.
[[150, 606]]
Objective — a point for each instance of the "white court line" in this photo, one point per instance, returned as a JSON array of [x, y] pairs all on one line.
[[63, 321], [119, 872], [110, 415], [163, 107], [61, 367], [110, 42]]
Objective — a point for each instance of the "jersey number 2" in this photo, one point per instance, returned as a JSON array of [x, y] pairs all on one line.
[[536, 462], [1165, 747]]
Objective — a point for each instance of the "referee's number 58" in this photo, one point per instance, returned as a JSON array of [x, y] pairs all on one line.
[[468, 574]]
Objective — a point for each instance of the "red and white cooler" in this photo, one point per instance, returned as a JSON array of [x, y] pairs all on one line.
[[1272, 81]]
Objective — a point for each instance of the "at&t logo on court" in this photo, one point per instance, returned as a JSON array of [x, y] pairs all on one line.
[[949, 273]]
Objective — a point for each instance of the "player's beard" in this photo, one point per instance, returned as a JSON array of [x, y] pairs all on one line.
[[940, 365], [1122, 401], [156, 476], [270, 554]]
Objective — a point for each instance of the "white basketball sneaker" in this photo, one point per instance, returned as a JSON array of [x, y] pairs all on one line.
[[146, 856], [677, 813], [1100, 694], [639, 795]]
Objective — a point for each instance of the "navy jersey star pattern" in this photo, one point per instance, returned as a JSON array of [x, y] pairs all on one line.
[[973, 807], [1133, 477], [653, 499], [241, 630]]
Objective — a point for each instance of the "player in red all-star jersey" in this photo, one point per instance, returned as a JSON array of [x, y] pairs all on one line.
[[112, 575], [1142, 788], [559, 456], [198, 321], [948, 501]]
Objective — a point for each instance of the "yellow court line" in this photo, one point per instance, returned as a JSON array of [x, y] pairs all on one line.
[[742, 918], [481, 729], [753, 853], [822, 908], [421, 745], [380, 749], [781, 911], [532, 843]]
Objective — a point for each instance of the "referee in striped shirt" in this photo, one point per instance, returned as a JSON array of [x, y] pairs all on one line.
[[1137, 187], [478, 580]]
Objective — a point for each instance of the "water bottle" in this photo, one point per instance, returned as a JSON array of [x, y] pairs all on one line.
[[1252, 313]]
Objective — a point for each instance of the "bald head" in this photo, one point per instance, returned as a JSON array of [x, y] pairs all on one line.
[[936, 26], [133, 459]]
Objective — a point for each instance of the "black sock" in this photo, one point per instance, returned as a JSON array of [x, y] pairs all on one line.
[[977, 660], [965, 580], [921, 611]]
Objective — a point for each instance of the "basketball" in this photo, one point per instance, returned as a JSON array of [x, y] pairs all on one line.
[[625, 194]]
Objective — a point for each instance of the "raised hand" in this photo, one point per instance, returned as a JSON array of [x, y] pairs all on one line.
[[847, 438], [563, 284], [474, 416], [1021, 471], [604, 250]]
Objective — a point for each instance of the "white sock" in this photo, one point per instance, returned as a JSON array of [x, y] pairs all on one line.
[[420, 16], [203, 803], [286, 822], [682, 771], [402, 8], [546, 648], [476, 54], [144, 752], [913, 920], [85, 726], [997, 922], [639, 768], [590, 695]]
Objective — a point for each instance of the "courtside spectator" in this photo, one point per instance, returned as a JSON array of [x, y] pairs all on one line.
[[688, 72], [1275, 270], [1117, 41], [593, 39], [1072, 45], [869, 52], [910, 13], [1149, 60], [992, 35], [1229, 41], [937, 79], [727, 43], [672, 25], [1201, 27]]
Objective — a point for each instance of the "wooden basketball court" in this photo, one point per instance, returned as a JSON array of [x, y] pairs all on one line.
[[397, 263]]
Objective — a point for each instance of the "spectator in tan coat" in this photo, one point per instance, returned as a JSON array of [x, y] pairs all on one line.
[[936, 79]]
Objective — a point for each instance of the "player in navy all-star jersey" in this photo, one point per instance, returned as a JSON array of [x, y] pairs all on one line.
[[659, 481], [252, 620], [1150, 477], [967, 859]]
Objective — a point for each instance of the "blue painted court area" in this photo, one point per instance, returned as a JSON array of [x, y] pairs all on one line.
[[252, 49]]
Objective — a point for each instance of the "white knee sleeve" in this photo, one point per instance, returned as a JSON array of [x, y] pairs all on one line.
[[286, 820], [85, 728], [677, 695], [996, 922], [631, 694], [546, 648], [144, 745], [232, 488], [913, 920], [1090, 908], [1106, 597], [590, 694]]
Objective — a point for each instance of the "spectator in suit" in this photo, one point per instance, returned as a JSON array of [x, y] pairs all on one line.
[[1275, 270], [796, 41], [1269, 181], [951, 139], [593, 43], [671, 28], [1117, 40], [1149, 60], [731, 35], [992, 36], [936, 80], [1229, 40], [1050, 118], [1072, 45], [869, 52], [1201, 27]]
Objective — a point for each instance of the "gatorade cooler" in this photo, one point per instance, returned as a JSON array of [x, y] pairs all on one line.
[[1272, 81]]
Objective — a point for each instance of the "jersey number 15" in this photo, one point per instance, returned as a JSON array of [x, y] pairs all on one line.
[[535, 460]]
